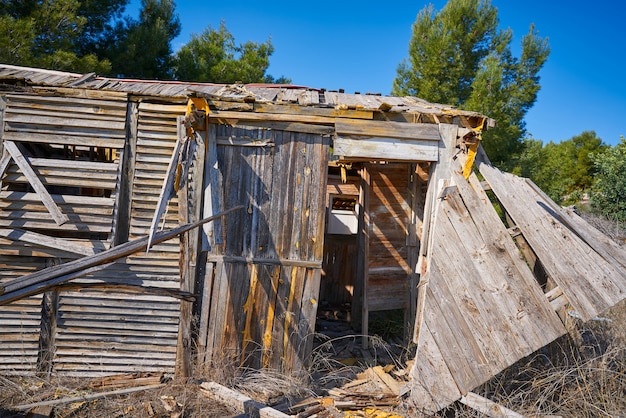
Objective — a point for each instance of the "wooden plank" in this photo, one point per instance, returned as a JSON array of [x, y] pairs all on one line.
[[205, 308], [212, 199], [86, 139], [488, 407], [231, 115], [86, 398], [602, 244], [62, 122], [386, 129], [47, 241], [433, 386], [313, 111], [59, 217], [167, 190], [4, 162], [359, 307], [238, 401], [385, 149]]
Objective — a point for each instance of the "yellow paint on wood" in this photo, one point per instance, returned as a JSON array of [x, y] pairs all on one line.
[[269, 324], [247, 308], [289, 313]]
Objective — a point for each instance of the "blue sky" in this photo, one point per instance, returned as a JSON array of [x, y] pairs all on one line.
[[357, 46]]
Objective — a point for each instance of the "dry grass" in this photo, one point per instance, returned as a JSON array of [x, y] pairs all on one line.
[[182, 395], [582, 375], [579, 375]]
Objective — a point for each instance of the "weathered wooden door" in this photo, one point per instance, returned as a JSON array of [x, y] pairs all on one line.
[[263, 267]]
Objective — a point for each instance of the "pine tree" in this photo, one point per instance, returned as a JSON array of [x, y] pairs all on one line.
[[214, 57], [459, 57]]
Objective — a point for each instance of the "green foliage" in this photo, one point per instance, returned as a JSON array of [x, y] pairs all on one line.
[[608, 195], [142, 48], [564, 170], [459, 57], [49, 34], [214, 57]]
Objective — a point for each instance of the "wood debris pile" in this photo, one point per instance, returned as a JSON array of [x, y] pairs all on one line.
[[373, 393]]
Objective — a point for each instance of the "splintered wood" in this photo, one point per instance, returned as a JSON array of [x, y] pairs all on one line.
[[373, 388]]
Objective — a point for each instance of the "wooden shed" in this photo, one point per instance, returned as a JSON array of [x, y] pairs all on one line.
[[333, 199]]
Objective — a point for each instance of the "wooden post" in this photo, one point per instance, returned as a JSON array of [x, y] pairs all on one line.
[[121, 225], [48, 325], [189, 205], [363, 257]]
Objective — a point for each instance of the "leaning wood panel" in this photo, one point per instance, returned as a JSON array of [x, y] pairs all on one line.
[[590, 282], [484, 310]]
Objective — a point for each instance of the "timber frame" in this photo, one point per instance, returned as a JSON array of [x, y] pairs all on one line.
[[92, 169]]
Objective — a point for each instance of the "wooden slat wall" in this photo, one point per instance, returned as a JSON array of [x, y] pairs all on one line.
[[60, 122], [389, 212], [50, 130], [19, 321], [262, 310], [107, 332]]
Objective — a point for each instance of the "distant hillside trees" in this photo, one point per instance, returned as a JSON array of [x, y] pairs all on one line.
[[458, 56], [564, 170], [608, 193]]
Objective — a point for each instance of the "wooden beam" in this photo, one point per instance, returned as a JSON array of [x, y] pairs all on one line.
[[26, 407], [258, 260], [47, 241], [291, 117], [386, 129], [385, 149], [4, 162], [212, 199], [238, 401], [34, 283], [307, 128], [59, 217], [167, 190], [488, 407], [313, 111]]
